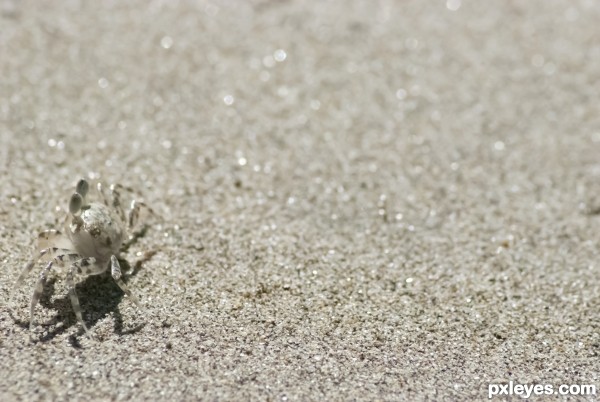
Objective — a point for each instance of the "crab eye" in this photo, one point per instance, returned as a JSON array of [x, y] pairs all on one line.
[[82, 187], [75, 203]]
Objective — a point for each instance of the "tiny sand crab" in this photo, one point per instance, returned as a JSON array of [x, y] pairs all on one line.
[[94, 235]]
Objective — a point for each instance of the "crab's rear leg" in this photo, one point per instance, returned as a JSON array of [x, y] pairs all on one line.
[[137, 207], [136, 230], [116, 200], [100, 189]]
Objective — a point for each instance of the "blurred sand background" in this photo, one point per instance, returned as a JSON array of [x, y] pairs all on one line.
[[362, 200]]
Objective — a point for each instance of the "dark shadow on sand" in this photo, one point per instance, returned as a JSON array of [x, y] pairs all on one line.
[[99, 297]]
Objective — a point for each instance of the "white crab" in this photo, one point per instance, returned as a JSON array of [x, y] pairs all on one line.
[[94, 235]]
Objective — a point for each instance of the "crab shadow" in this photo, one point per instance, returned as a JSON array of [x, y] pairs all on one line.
[[99, 297]]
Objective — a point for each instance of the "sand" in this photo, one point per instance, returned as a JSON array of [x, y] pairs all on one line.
[[358, 200]]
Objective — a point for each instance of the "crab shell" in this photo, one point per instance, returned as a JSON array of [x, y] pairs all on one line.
[[98, 232]]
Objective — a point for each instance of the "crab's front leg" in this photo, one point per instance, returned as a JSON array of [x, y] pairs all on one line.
[[50, 252], [85, 267], [60, 260], [115, 270], [53, 238]]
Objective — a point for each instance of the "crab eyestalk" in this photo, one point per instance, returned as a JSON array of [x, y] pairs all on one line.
[[75, 204], [75, 209], [82, 188]]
